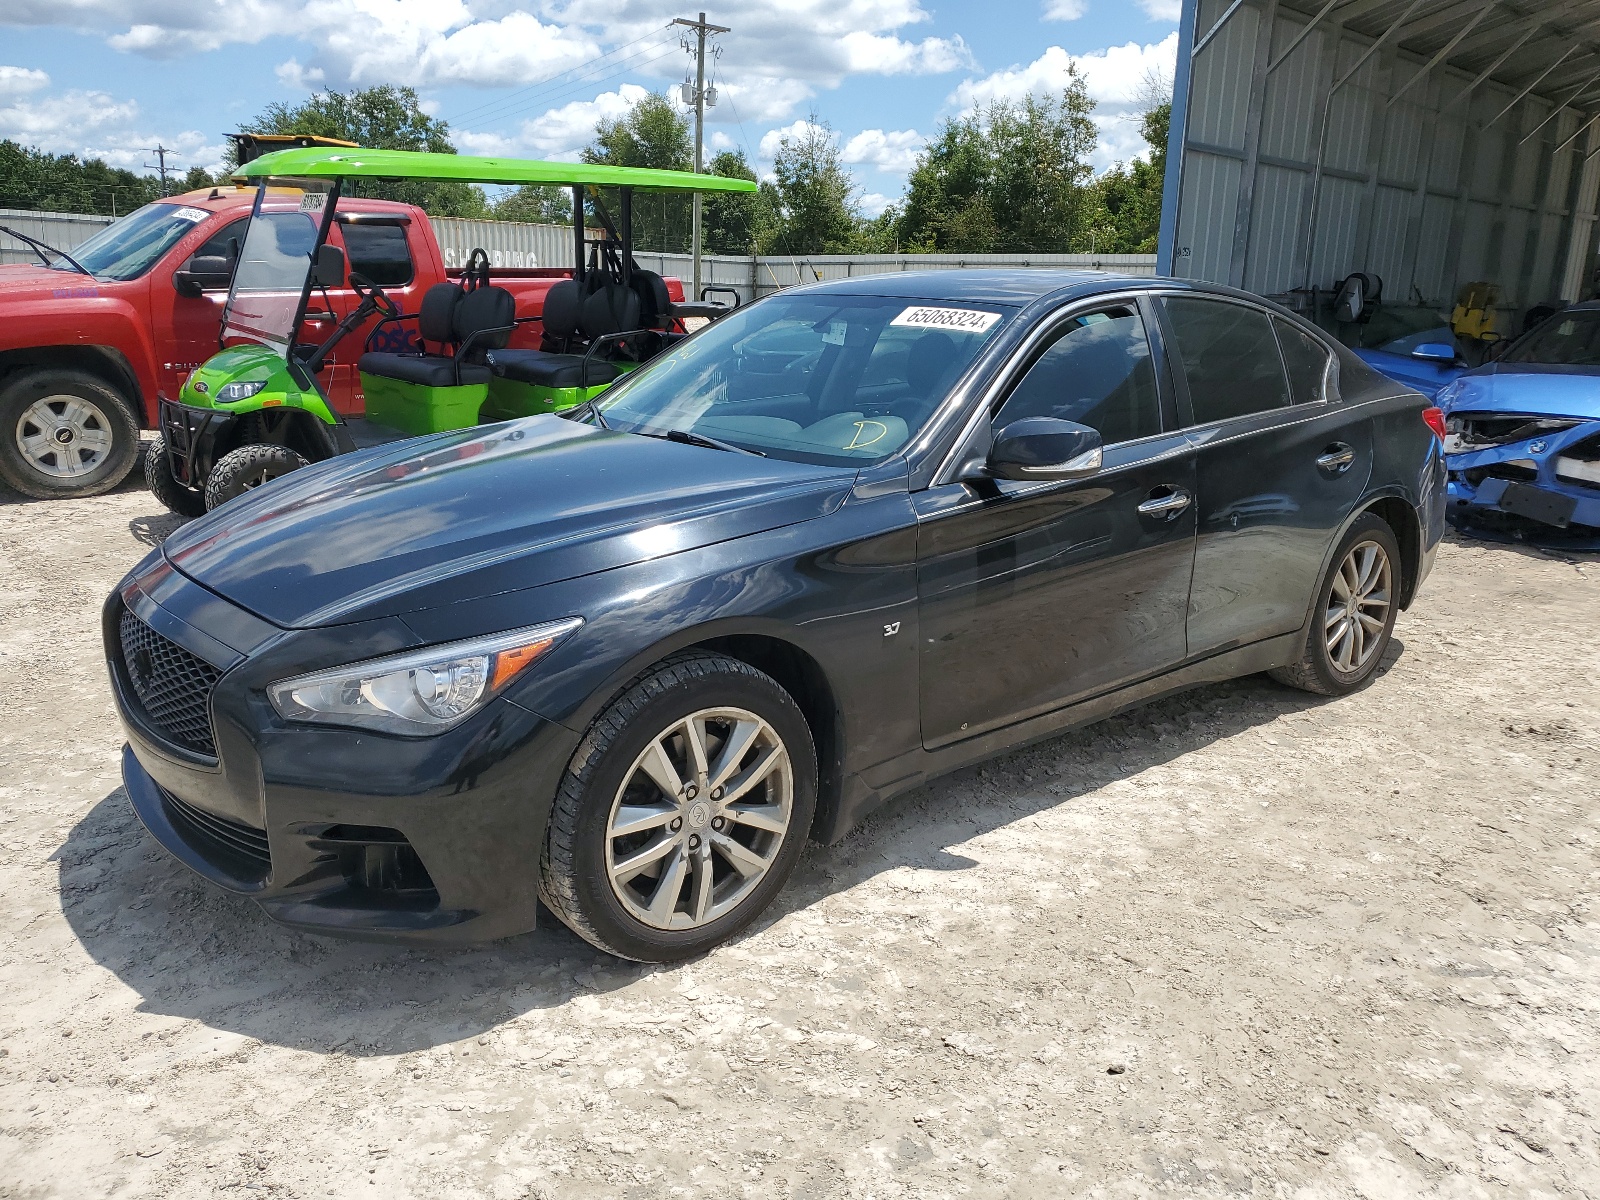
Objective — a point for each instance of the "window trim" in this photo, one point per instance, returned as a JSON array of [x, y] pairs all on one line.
[[1330, 380], [1009, 373]]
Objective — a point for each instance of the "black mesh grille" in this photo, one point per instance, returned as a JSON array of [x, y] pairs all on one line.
[[239, 849], [173, 686]]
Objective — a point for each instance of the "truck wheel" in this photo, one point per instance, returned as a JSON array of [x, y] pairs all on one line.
[[64, 433], [158, 477], [247, 468]]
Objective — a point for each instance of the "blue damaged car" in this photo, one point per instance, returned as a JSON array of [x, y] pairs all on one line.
[[1426, 361], [1523, 432]]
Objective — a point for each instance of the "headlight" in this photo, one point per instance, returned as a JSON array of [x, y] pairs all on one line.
[[421, 691], [232, 393]]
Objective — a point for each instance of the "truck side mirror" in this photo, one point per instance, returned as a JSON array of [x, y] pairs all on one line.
[[201, 272], [329, 269]]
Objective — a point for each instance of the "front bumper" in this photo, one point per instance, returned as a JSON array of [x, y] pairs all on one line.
[[191, 436], [1552, 479], [334, 831]]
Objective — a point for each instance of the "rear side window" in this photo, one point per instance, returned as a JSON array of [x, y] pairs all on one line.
[[380, 252], [1229, 357], [1309, 362], [1097, 372]]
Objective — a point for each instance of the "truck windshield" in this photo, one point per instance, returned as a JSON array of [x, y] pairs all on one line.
[[839, 380], [126, 249], [273, 265]]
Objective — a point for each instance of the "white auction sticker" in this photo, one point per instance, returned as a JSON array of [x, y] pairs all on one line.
[[960, 320], [313, 202], [191, 214]]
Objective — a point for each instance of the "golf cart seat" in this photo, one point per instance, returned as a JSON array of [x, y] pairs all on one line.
[[569, 314], [472, 323]]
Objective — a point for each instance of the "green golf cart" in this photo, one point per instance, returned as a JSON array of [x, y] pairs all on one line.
[[483, 345]]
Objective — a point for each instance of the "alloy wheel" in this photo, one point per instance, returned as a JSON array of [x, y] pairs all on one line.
[[1358, 606], [64, 436], [699, 818]]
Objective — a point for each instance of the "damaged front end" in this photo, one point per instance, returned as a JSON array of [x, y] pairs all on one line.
[[1533, 466]]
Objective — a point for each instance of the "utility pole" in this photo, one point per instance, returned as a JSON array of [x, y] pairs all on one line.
[[161, 153], [699, 97]]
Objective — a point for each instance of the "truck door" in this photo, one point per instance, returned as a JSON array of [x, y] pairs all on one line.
[[184, 329], [376, 245]]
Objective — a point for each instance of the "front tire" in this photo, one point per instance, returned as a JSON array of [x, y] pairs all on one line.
[[1354, 615], [682, 812], [65, 434], [159, 479], [247, 468]]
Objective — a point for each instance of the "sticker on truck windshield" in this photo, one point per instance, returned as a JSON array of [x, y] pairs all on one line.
[[958, 320], [191, 214], [313, 202]]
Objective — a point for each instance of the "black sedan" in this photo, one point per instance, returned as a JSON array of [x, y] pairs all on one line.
[[843, 540]]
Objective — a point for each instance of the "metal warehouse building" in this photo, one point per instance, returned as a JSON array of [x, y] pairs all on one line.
[[1432, 143]]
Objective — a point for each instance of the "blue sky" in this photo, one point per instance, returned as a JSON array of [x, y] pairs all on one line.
[[110, 78]]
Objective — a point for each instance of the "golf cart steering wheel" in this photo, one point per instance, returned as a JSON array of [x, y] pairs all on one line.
[[373, 294]]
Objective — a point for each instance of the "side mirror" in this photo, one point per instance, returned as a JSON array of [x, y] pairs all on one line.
[[1435, 352], [329, 268], [201, 272], [1039, 448]]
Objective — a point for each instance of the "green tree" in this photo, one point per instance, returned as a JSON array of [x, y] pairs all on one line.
[[536, 202], [1008, 177], [385, 118], [30, 178], [1125, 217], [812, 197], [731, 222], [651, 134]]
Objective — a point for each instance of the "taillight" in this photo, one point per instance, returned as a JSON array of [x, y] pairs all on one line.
[[1434, 419]]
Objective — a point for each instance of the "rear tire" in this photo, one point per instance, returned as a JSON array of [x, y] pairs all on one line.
[[716, 844], [159, 479], [65, 434], [247, 468], [1354, 615]]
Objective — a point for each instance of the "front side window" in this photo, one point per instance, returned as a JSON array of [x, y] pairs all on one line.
[[830, 379], [225, 244], [380, 253], [1097, 372], [1309, 363], [1229, 357], [126, 249], [1569, 339]]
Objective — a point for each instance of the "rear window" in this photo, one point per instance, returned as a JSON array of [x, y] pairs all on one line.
[[380, 252]]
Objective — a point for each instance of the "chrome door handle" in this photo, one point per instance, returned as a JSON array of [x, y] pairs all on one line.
[[1169, 505], [1337, 458]]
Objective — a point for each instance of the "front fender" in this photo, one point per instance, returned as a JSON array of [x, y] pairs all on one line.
[[94, 320]]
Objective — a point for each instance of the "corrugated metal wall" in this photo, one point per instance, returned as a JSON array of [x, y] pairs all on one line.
[[1426, 194], [61, 230]]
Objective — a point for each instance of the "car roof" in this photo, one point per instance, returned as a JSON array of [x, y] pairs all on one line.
[[973, 285]]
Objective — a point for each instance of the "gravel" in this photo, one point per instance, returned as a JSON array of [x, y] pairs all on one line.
[[1240, 942]]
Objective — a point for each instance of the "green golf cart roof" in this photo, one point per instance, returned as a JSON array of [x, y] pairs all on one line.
[[320, 162]]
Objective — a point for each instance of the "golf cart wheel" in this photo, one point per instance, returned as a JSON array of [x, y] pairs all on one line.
[[64, 433], [247, 468], [158, 477], [1354, 614], [682, 812]]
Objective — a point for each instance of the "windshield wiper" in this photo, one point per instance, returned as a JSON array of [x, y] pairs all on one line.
[[41, 249], [689, 438], [594, 411]]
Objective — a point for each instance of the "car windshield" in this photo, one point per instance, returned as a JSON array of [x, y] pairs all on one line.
[[126, 249], [273, 265], [1569, 339], [813, 378]]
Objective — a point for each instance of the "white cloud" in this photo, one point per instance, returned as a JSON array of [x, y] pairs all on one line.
[[874, 203], [1162, 10], [772, 140], [92, 124], [882, 54], [1112, 76], [560, 133], [292, 75], [19, 81], [1068, 10], [894, 151]]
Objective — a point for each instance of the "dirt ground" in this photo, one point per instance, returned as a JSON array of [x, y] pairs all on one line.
[[1242, 942]]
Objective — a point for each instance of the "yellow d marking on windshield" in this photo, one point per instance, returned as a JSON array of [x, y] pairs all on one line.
[[861, 427]]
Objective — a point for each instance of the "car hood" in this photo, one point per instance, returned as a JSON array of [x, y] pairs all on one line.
[[499, 508], [1526, 388], [26, 279]]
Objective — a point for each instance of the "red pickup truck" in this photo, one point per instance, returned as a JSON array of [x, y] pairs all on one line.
[[88, 341]]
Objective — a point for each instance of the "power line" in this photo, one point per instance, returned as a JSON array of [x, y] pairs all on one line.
[[556, 87], [699, 97], [582, 85], [498, 101], [160, 165]]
